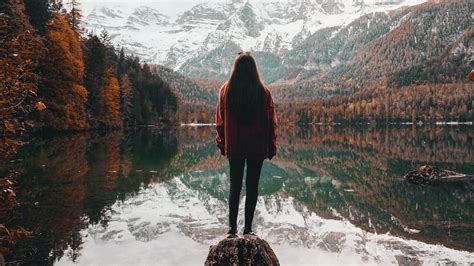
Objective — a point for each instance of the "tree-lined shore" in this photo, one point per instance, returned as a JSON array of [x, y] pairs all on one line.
[[57, 77]]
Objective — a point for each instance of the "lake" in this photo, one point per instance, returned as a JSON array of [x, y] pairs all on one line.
[[332, 195]]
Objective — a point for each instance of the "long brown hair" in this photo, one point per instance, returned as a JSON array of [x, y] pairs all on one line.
[[245, 89]]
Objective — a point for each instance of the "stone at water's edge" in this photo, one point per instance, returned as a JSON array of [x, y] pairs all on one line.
[[250, 250], [427, 174]]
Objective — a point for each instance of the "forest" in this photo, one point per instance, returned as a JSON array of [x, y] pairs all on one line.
[[57, 77], [428, 103], [410, 65]]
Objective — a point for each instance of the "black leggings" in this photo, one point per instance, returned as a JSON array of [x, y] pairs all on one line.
[[254, 168]]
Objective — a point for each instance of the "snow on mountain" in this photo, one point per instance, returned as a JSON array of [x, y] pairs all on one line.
[[160, 34], [146, 16]]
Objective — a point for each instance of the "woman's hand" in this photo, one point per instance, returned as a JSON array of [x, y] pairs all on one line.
[[273, 127], [220, 140]]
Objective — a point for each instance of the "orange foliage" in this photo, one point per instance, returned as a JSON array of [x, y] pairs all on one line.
[[109, 102], [63, 92], [195, 113], [19, 52], [426, 103]]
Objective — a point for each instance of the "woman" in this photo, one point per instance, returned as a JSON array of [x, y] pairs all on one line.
[[246, 132]]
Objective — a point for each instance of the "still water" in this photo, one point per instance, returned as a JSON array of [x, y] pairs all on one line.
[[331, 196]]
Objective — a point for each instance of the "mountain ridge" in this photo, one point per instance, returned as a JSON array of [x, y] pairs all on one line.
[[380, 55], [267, 26], [404, 41]]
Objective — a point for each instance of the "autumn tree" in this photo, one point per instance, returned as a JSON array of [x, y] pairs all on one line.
[[109, 115], [63, 70], [428, 103], [19, 55]]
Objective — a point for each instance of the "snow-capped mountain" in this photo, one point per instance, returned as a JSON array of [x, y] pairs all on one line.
[[177, 39]]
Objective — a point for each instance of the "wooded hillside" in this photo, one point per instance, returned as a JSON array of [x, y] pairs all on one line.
[[409, 65], [57, 77]]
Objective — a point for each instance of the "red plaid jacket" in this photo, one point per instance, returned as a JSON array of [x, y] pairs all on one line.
[[257, 141]]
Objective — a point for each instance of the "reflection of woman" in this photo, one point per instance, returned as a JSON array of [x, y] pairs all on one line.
[[246, 131]]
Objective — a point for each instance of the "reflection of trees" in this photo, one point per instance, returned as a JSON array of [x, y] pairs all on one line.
[[315, 165], [104, 156], [197, 151], [330, 160], [198, 157], [76, 178], [427, 144], [121, 165], [146, 155], [52, 194], [71, 181]]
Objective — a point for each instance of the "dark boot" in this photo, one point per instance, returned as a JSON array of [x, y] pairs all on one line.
[[232, 233]]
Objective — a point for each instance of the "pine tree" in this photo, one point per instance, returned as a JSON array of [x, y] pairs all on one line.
[[39, 13], [95, 66], [121, 63], [74, 16], [56, 6], [105, 38], [126, 94]]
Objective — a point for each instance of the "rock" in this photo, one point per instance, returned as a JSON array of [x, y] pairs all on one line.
[[333, 241], [249, 250], [427, 174], [404, 260]]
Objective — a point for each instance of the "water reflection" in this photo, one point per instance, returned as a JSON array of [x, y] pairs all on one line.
[[146, 195]]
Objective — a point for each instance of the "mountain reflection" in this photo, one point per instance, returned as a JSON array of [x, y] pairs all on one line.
[[84, 186]]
